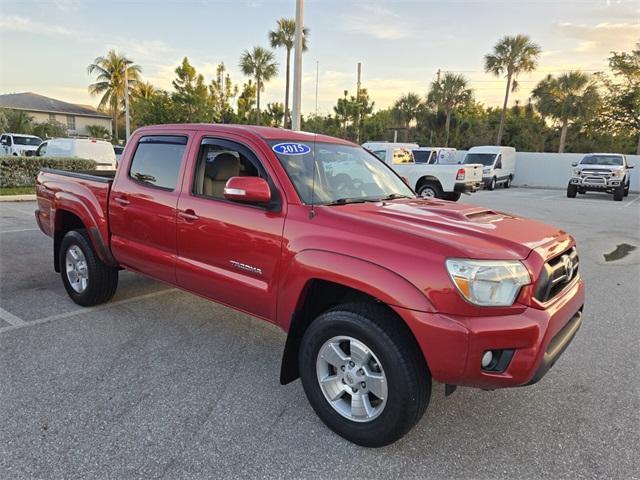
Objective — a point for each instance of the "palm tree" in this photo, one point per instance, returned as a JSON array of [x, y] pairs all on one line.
[[406, 109], [144, 90], [565, 98], [109, 71], [449, 93], [284, 37], [260, 64], [511, 56]]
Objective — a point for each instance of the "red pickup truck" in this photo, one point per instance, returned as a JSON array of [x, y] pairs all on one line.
[[380, 292]]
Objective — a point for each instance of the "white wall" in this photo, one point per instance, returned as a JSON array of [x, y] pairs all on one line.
[[552, 170]]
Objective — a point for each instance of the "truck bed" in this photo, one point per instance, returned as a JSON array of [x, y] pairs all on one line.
[[80, 192]]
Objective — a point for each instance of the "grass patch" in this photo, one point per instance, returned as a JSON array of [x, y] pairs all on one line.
[[17, 190]]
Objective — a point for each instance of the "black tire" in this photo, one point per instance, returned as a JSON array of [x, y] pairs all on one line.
[[492, 184], [102, 279], [618, 193], [407, 375], [434, 188], [626, 190], [507, 184], [452, 196], [572, 190]]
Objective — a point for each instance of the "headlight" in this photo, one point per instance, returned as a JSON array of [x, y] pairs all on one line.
[[493, 283], [576, 172], [617, 173]]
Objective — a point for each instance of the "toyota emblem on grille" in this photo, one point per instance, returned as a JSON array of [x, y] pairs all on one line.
[[567, 262]]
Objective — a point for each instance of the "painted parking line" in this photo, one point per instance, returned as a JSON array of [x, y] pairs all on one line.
[[632, 201], [73, 313], [11, 319], [18, 230]]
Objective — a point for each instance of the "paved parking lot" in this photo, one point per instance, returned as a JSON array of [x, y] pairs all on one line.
[[161, 384]]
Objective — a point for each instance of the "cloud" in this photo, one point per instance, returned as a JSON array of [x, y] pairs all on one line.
[[378, 22], [601, 38], [16, 23]]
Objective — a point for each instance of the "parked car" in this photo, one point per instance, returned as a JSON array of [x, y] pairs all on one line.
[[601, 172], [499, 164], [435, 155], [89, 148], [380, 291], [18, 144], [439, 181]]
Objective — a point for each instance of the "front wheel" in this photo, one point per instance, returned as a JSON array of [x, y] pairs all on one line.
[[626, 190], [364, 374], [492, 184], [86, 278], [618, 193], [572, 191]]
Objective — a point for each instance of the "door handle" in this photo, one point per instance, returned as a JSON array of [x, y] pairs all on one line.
[[188, 215], [122, 201]]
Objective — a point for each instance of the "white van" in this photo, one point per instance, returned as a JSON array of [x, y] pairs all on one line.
[[436, 155], [499, 164], [18, 144], [89, 148]]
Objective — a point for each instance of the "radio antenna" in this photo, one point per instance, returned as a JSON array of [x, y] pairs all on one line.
[[312, 212]]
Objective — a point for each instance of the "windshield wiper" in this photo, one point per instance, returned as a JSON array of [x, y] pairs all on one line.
[[394, 196], [345, 201]]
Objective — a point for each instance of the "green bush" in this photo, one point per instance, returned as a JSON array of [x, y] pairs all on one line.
[[22, 171]]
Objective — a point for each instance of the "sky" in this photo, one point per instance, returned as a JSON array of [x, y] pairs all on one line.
[[46, 45]]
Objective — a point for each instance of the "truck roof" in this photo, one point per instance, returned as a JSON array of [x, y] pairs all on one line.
[[266, 133]]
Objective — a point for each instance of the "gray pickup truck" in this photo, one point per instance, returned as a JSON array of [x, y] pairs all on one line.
[[601, 172]]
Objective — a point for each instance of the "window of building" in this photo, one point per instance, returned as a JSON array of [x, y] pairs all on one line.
[[52, 117], [157, 161], [71, 122]]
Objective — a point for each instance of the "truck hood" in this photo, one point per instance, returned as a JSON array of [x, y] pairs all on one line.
[[604, 168], [469, 231]]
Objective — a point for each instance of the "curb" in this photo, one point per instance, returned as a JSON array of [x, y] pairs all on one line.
[[18, 198]]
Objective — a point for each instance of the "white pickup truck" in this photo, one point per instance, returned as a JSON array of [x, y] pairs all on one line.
[[439, 181]]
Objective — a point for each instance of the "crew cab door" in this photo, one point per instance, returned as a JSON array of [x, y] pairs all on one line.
[[228, 251], [142, 205]]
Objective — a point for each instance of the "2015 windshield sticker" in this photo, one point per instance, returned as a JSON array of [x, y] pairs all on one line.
[[291, 148]]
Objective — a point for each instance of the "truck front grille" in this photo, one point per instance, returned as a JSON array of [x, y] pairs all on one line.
[[556, 274]]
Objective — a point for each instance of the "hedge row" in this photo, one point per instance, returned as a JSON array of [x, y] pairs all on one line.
[[22, 171]]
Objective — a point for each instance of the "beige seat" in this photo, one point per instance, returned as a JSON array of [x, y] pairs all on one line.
[[216, 174]]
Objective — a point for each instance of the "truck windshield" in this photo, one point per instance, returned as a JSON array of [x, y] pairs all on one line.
[[31, 141], [485, 159], [611, 160], [343, 173]]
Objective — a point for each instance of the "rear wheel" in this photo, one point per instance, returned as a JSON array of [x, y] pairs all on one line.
[[86, 278], [430, 190], [618, 193], [507, 184], [572, 190], [364, 374]]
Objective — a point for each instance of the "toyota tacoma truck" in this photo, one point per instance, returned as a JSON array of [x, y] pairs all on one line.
[[601, 172], [380, 291]]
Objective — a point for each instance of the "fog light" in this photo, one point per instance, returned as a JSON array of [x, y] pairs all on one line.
[[487, 358]]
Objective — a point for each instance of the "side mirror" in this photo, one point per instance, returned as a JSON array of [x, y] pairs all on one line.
[[574, 164], [247, 190], [630, 166]]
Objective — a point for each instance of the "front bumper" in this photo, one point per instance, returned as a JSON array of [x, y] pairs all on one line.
[[453, 346], [596, 183]]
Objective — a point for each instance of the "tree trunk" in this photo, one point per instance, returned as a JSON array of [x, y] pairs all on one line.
[[286, 91], [563, 135], [504, 110], [115, 118], [257, 102], [638, 149], [447, 126]]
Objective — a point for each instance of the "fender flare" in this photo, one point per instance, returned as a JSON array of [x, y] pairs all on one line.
[[97, 230]]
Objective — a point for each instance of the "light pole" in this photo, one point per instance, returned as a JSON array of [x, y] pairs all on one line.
[[297, 66], [126, 104]]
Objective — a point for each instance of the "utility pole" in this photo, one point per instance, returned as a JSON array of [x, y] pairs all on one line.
[[126, 104], [317, 77], [358, 103], [297, 66]]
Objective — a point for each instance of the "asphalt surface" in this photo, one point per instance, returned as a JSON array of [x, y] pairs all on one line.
[[162, 384]]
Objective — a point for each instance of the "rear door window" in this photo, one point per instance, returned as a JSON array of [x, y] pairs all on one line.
[[157, 160]]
